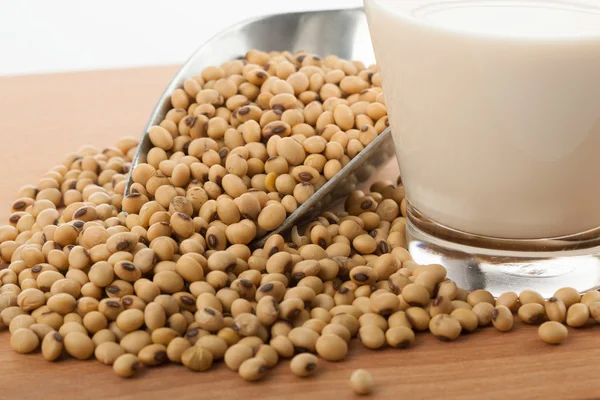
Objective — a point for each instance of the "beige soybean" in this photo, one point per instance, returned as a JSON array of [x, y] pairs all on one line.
[[236, 355], [337, 329], [176, 348], [135, 341], [108, 352], [483, 311], [594, 308], [555, 309], [70, 327], [371, 336], [52, 346], [230, 336], [331, 347], [385, 304], [398, 319], [530, 296], [304, 364], [24, 340], [79, 345], [502, 318], [283, 345], [590, 297], [197, 359], [568, 295], [315, 324], [94, 322], [416, 295], [480, 296], [103, 336], [440, 305], [41, 330], [30, 299], [154, 316], [419, 319], [347, 320], [271, 217], [215, 344], [210, 319], [532, 313], [553, 332], [126, 365], [447, 289], [163, 335], [445, 327], [400, 337], [153, 354], [21, 321], [253, 369], [361, 382], [373, 319], [304, 338], [467, 318], [130, 320], [510, 300], [268, 354], [578, 315]]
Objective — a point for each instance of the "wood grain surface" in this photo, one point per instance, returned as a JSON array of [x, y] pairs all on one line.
[[45, 117]]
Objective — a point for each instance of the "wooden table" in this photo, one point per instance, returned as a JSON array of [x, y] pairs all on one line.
[[44, 117]]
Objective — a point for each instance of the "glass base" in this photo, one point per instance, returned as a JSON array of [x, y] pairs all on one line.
[[502, 265]]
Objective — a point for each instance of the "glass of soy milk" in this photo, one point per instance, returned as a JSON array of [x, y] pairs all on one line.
[[494, 108]]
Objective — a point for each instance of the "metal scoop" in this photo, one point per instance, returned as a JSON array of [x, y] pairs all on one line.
[[341, 32]]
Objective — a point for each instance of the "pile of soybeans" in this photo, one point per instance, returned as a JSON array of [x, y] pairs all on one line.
[[166, 274]]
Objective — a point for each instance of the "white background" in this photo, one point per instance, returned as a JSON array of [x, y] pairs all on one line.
[[43, 36]]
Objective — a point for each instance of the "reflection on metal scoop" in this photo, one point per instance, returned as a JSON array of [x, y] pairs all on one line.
[[341, 32]]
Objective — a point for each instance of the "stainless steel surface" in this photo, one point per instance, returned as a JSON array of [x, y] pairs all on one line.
[[341, 32]]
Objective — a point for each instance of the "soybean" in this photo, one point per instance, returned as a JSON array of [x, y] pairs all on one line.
[[532, 313], [445, 327], [253, 369], [304, 364], [126, 365], [24, 340], [79, 345], [361, 382], [108, 352], [236, 355], [555, 309], [502, 318], [331, 347], [578, 315], [52, 346], [197, 359], [553, 332]]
